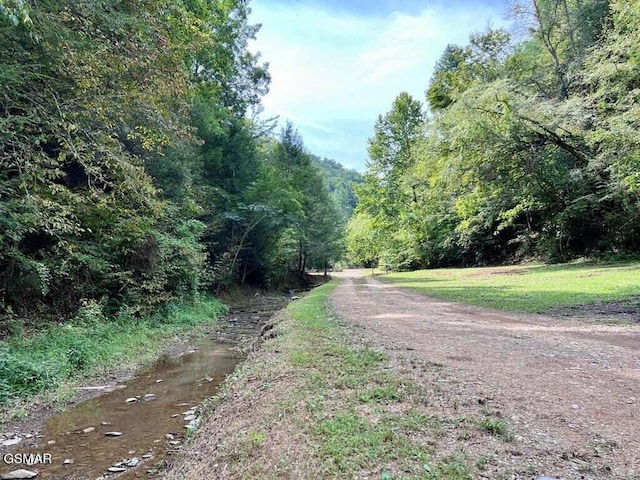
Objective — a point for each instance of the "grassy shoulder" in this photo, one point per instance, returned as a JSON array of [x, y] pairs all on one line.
[[317, 402], [531, 288], [52, 361]]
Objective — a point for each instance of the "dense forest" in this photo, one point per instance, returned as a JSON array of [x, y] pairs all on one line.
[[133, 167], [528, 146]]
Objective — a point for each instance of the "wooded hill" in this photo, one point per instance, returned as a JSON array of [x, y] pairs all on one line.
[[527, 147], [132, 169], [341, 182]]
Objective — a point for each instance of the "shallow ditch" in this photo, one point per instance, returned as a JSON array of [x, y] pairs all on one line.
[[134, 428]]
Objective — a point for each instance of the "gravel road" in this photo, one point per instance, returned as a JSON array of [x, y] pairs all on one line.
[[566, 390]]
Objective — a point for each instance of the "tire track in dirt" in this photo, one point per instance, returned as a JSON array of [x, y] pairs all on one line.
[[567, 390]]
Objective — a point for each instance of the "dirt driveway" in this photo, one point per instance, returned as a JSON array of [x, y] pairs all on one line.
[[561, 395]]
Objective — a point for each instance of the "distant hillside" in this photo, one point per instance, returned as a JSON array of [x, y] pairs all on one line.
[[340, 182]]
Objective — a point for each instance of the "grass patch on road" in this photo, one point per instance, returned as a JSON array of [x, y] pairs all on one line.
[[325, 405], [532, 288]]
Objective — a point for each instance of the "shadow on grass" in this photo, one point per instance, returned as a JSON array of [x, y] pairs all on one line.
[[585, 266]]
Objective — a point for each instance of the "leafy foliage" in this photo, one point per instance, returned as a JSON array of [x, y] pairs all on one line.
[[529, 150], [130, 173], [303, 229]]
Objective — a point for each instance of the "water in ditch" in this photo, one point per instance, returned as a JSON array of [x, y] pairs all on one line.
[[134, 429]]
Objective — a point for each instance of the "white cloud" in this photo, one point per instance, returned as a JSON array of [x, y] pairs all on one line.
[[399, 46], [328, 67]]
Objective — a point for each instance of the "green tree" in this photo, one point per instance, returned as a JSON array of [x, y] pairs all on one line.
[[305, 230], [103, 104], [75, 131], [388, 192], [612, 78], [15, 11], [459, 68], [361, 239], [516, 159], [562, 33]]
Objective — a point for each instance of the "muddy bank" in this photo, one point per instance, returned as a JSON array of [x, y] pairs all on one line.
[[130, 426]]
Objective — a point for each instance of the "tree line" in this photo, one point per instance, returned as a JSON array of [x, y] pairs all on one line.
[[527, 146], [133, 168]]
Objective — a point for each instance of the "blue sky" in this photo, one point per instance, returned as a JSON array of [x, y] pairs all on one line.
[[337, 65]]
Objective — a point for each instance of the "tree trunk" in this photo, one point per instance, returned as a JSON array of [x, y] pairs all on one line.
[[299, 268]]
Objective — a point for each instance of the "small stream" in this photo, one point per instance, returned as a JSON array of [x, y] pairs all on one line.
[[134, 429]]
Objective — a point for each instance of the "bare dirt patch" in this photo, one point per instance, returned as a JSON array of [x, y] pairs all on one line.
[[627, 310], [516, 396]]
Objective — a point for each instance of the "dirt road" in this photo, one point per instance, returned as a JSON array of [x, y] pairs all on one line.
[[562, 396]]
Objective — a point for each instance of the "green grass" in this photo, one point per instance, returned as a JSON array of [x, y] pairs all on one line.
[[383, 394], [90, 344], [497, 428], [534, 289], [342, 377]]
